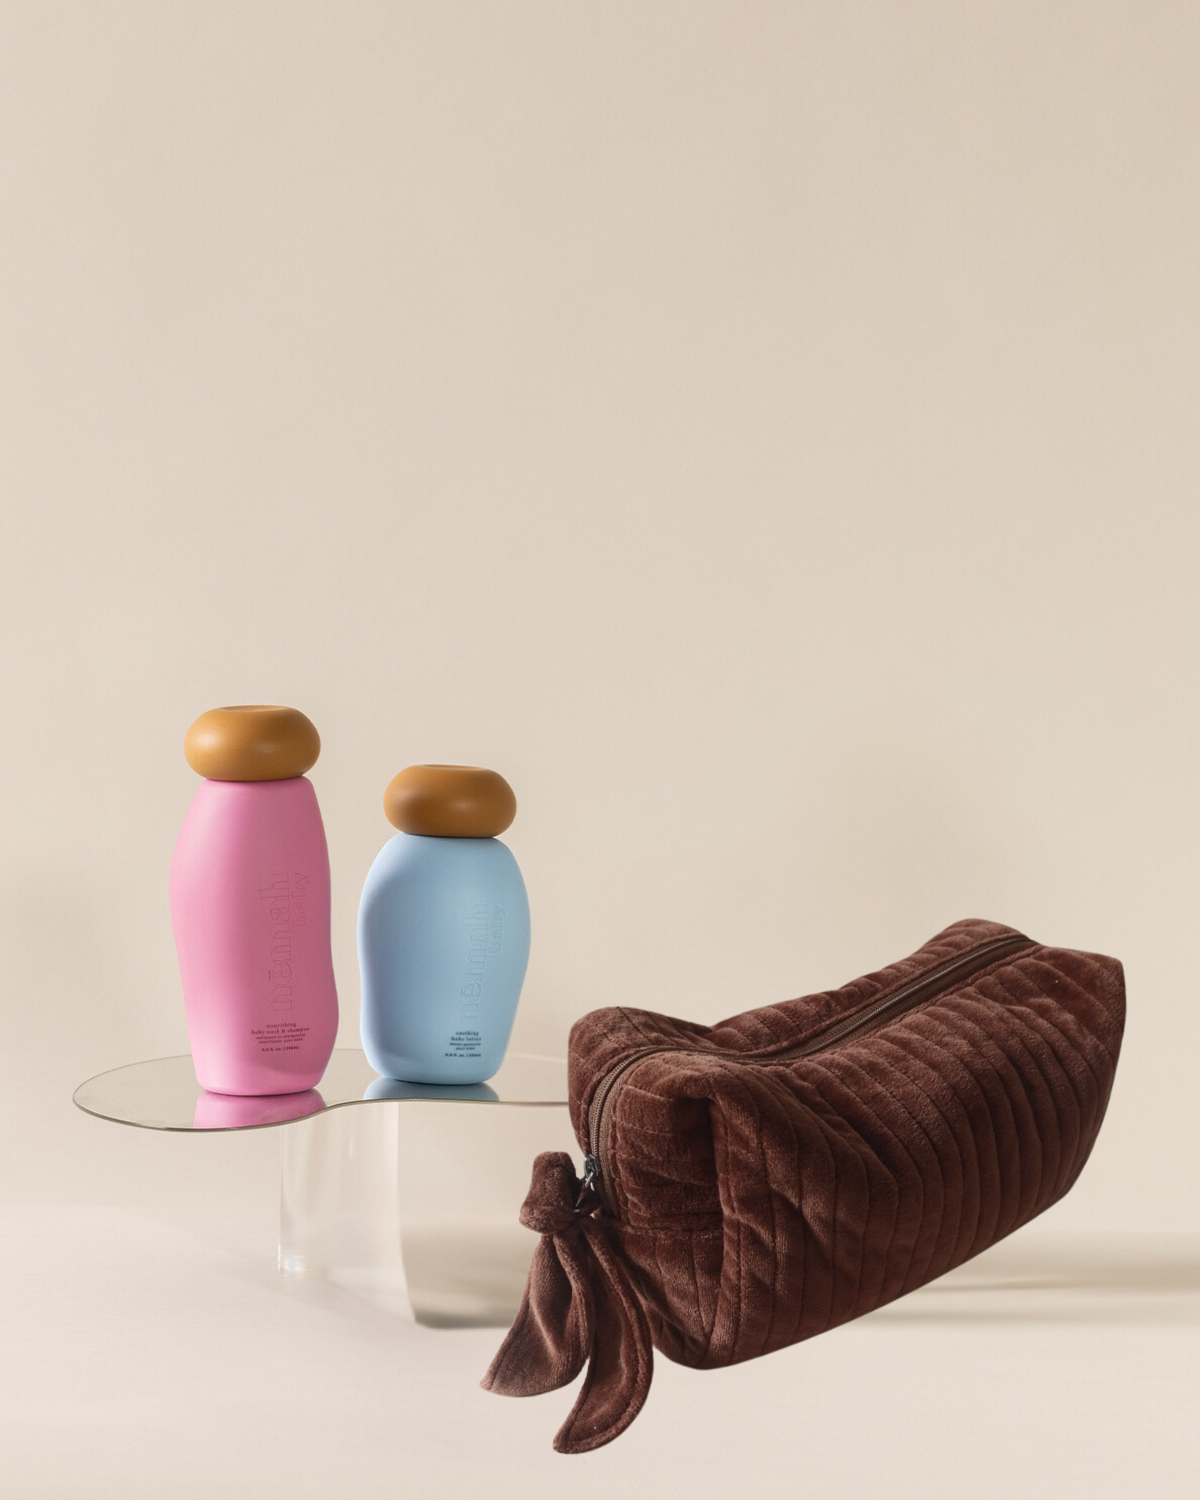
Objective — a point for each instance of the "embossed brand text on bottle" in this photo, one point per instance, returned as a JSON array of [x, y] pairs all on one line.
[[485, 936], [287, 908]]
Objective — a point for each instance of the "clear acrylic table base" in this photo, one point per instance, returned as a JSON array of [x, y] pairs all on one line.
[[339, 1205], [413, 1205]]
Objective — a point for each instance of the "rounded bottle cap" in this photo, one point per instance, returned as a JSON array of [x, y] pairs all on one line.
[[450, 802], [252, 742]]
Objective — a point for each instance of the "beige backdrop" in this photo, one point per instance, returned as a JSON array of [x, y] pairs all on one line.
[[766, 433]]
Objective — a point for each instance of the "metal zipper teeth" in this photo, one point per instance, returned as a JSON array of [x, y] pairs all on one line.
[[924, 987]]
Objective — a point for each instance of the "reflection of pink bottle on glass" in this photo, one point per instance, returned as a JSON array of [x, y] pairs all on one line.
[[242, 1112], [250, 905]]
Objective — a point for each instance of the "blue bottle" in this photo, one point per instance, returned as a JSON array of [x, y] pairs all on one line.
[[443, 929]]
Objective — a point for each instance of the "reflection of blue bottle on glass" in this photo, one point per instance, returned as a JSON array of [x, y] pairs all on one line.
[[443, 929], [397, 1088]]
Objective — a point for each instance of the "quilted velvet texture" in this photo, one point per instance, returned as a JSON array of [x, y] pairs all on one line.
[[751, 1200]]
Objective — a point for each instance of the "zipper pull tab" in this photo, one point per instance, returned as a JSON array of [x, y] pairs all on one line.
[[591, 1171]]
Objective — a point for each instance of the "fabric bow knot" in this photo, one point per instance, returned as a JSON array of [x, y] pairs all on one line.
[[579, 1305], [549, 1207]]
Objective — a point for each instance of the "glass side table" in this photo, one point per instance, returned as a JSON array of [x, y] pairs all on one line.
[[416, 1212]]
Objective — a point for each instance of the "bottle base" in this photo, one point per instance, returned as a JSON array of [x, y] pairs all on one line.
[[409, 1070], [254, 1088]]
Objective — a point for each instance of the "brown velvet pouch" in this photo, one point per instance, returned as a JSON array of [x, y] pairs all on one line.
[[753, 1183]]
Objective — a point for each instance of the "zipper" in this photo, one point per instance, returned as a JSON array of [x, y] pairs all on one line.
[[924, 987]]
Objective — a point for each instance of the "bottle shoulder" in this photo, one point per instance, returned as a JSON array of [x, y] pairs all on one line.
[[251, 815], [419, 859], [292, 796]]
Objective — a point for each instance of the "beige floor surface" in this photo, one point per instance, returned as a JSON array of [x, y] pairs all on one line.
[[158, 1354]]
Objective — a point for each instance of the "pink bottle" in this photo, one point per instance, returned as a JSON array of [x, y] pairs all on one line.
[[250, 905]]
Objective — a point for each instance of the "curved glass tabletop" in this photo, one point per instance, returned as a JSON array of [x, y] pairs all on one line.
[[163, 1094]]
